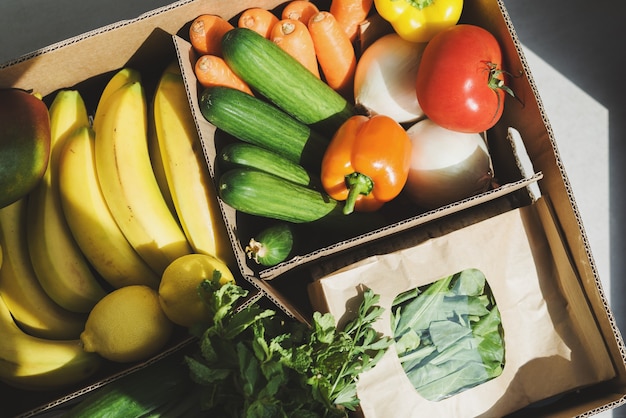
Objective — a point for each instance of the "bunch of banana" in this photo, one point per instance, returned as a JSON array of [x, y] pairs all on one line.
[[60, 265], [121, 199], [90, 220], [190, 185], [128, 181], [33, 363]]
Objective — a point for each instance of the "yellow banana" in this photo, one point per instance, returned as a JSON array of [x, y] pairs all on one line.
[[90, 220], [34, 363], [121, 77], [157, 162], [30, 305], [124, 76], [61, 267], [193, 192], [128, 182]]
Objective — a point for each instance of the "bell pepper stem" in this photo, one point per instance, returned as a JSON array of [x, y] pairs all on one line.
[[357, 184], [420, 4]]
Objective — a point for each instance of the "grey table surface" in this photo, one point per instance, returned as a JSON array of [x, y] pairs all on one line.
[[578, 39]]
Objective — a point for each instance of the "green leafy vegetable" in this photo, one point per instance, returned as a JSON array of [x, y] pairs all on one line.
[[253, 362], [448, 335]]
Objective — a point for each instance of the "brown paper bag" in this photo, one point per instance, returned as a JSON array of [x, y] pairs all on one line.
[[551, 343]]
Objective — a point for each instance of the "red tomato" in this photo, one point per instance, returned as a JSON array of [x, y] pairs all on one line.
[[459, 81]]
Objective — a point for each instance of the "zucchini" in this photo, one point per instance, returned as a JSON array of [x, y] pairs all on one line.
[[255, 121], [262, 194], [241, 154], [280, 78], [137, 394], [272, 245]]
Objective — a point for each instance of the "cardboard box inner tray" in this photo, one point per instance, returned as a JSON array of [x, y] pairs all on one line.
[[522, 145], [317, 242]]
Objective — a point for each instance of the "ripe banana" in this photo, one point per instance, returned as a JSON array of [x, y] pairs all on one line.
[[157, 162], [33, 363], [121, 77], [61, 267], [30, 306], [90, 220], [128, 182], [193, 191], [124, 76]]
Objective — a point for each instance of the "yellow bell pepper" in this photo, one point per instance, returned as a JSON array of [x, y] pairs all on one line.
[[419, 20]]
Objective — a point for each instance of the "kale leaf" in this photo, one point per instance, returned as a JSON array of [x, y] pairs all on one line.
[[448, 335]]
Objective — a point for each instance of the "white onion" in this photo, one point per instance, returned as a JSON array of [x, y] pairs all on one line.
[[384, 81], [446, 166]]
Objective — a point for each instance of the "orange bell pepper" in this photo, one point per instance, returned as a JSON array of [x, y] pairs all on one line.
[[366, 163]]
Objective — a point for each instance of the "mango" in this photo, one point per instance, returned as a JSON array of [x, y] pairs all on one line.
[[24, 143]]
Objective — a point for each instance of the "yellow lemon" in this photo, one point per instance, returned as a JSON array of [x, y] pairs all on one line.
[[127, 325], [178, 291]]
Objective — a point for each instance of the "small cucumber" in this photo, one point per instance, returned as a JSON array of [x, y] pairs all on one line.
[[272, 245], [266, 68], [260, 123], [241, 154], [262, 194]]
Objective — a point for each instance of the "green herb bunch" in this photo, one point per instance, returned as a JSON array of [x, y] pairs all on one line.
[[254, 362]]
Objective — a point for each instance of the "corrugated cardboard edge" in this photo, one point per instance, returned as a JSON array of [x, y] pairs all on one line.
[[412, 222], [557, 186], [73, 396]]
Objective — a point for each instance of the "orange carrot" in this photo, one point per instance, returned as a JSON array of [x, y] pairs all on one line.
[[335, 53], [301, 10], [212, 70], [259, 20], [206, 32], [294, 38], [350, 14]]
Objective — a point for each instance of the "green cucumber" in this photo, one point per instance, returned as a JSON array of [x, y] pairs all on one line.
[[241, 154], [262, 194], [137, 394], [255, 121], [280, 78], [272, 245]]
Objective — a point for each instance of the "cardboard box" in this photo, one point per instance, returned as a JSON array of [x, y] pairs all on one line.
[[152, 40]]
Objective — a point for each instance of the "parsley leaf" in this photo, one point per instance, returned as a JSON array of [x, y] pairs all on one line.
[[256, 363]]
